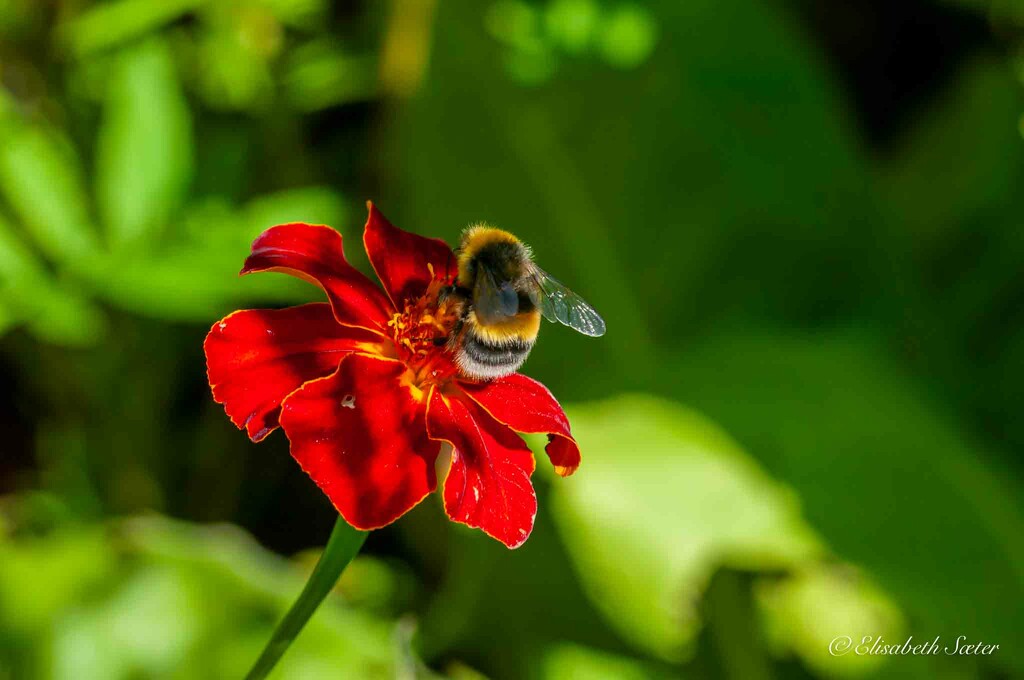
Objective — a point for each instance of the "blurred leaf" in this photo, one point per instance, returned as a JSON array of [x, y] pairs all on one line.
[[928, 184], [952, 186], [1002, 13], [214, 223], [16, 261], [197, 279], [505, 608], [144, 154], [316, 205], [573, 662], [571, 23], [153, 598], [304, 14], [7, 105], [795, 619], [108, 24], [63, 456], [374, 584], [669, 489], [319, 75], [887, 477], [224, 561], [63, 317], [7, 317], [457, 670], [188, 284], [41, 179], [29, 295], [18, 16], [88, 80], [147, 628], [517, 23], [628, 37], [233, 75], [40, 576]]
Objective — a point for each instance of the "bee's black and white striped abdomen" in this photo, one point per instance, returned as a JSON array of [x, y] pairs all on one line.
[[482, 359]]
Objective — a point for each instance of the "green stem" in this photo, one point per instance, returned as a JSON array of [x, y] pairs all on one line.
[[732, 623], [341, 547]]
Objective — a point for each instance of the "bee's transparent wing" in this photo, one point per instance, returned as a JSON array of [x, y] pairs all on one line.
[[558, 303], [493, 302]]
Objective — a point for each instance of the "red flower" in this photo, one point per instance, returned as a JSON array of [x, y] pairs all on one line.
[[366, 391]]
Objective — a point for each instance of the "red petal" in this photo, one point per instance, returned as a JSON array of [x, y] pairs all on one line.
[[401, 259], [361, 436], [488, 486], [256, 358], [525, 405], [313, 252]]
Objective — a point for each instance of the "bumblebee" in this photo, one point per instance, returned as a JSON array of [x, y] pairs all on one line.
[[502, 295]]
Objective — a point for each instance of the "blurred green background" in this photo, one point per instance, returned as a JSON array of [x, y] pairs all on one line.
[[801, 220]]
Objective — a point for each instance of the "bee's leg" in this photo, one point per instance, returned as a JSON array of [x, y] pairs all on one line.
[[453, 338], [445, 293]]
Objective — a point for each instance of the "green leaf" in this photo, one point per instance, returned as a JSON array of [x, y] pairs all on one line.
[[234, 574], [151, 597], [112, 23], [191, 283], [41, 179], [144, 154], [795, 620], [55, 313], [64, 317], [951, 188], [671, 491], [976, 118], [316, 205], [319, 75], [41, 576], [234, 73], [304, 14], [571, 24], [629, 36], [508, 607], [1003, 14], [197, 278], [886, 475], [8, 319], [583, 663], [16, 261]]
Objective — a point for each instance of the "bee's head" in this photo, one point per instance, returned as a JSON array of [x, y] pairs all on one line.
[[504, 255]]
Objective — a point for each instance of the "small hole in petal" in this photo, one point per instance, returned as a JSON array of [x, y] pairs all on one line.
[[349, 401]]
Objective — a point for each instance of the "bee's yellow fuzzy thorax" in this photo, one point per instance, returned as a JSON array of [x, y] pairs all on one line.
[[473, 240], [521, 327]]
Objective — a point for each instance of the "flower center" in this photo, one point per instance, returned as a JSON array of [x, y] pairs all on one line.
[[421, 332]]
